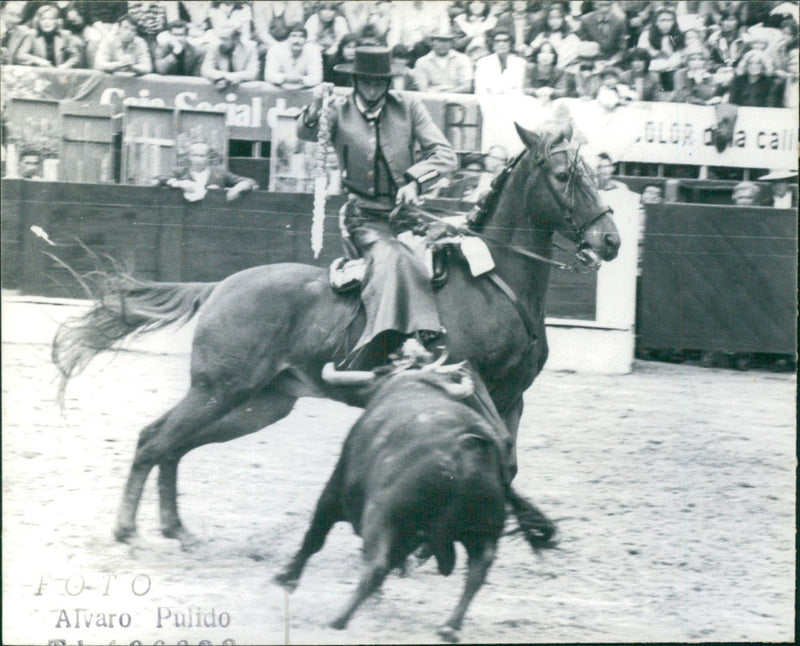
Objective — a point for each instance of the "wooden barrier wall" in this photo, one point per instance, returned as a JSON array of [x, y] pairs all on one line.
[[161, 236]]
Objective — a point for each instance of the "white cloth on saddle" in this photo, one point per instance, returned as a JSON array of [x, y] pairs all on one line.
[[475, 251]]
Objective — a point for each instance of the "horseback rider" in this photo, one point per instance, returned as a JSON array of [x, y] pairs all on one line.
[[375, 132]]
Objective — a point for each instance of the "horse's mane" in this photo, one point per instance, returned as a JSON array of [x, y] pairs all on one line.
[[552, 136]]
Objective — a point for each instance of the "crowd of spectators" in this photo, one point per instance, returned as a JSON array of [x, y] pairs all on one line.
[[696, 51]]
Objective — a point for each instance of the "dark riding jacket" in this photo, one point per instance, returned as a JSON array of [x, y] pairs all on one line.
[[366, 148]]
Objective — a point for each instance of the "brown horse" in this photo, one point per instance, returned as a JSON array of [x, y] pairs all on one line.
[[264, 334]]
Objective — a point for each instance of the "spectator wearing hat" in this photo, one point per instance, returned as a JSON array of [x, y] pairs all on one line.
[[295, 63], [605, 28], [559, 34], [123, 51], [231, 60], [47, 45], [375, 133], [746, 194], [642, 83], [174, 55], [443, 69], [782, 197], [501, 72], [543, 78], [754, 84], [582, 76]]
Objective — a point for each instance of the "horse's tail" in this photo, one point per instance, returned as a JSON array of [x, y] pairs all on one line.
[[538, 529], [123, 306]]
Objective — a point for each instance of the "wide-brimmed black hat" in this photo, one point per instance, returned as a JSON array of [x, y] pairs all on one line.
[[373, 61]]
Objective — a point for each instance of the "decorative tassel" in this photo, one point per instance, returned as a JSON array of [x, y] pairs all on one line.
[[320, 179]]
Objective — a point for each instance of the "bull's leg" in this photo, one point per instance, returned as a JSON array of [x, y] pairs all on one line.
[[377, 555], [158, 442], [252, 415], [326, 514], [481, 551]]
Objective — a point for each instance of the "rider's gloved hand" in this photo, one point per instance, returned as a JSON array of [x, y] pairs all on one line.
[[320, 92], [408, 194]]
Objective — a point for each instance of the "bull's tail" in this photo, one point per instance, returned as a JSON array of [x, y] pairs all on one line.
[[123, 306], [538, 529]]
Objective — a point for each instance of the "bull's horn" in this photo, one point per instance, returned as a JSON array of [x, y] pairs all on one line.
[[436, 364], [460, 390], [334, 377]]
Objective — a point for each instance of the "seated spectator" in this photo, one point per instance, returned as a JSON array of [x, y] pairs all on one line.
[[746, 194], [543, 78], [231, 61], [271, 22], [295, 63], [47, 45], [407, 81], [695, 83], [345, 53], [13, 32], [231, 14], [30, 164], [559, 34], [604, 170], [653, 194], [413, 22], [102, 19], [643, 83], [664, 41], [521, 24], [787, 95], [72, 21], [607, 29], [582, 77], [443, 69], [199, 176], [476, 49], [782, 197], [477, 21], [611, 91], [725, 43], [174, 55], [151, 19], [326, 28], [123, 51], [501, 72], [754, 84]]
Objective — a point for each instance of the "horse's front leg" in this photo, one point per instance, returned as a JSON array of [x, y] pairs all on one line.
[[512, 417]]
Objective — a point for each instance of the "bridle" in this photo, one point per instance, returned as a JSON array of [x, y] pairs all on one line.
[[585, 258]]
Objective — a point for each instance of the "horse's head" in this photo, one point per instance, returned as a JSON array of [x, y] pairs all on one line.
[[561, 188]]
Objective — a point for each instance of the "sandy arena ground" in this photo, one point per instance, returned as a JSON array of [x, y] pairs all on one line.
[[673, 487]]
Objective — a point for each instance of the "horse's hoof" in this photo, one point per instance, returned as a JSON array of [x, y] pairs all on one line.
[[124, 534], [286, 581], [339, 624], [448, 633]]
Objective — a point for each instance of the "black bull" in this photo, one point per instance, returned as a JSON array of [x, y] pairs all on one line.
[[420, 466]]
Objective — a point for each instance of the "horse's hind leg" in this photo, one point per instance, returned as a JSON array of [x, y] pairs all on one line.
[[158, 442], [248, 417]]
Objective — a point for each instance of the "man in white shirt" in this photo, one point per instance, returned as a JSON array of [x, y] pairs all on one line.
[[294, 64], [501, 72], [443, 69], [782, 197]]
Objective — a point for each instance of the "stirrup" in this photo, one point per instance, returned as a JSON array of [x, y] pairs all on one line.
[[346, 275]]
